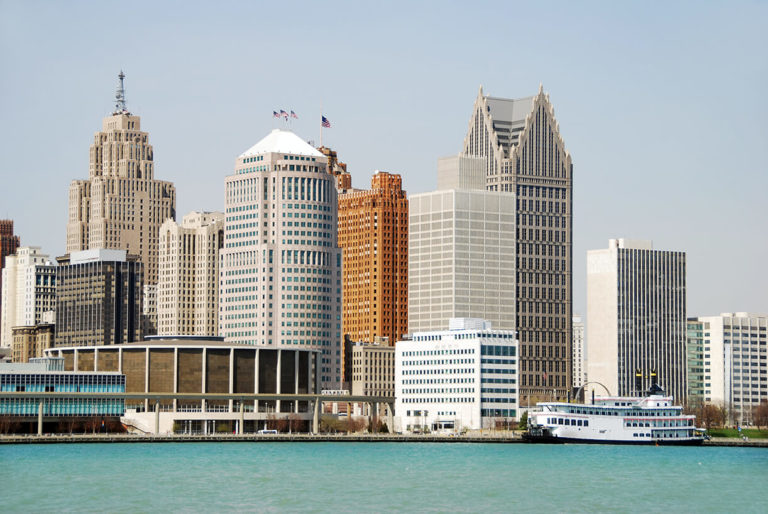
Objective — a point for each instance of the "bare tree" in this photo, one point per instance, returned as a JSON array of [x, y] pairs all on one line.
[[760, 414]]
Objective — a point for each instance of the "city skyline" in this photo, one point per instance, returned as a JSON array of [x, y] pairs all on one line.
[[662, 115]]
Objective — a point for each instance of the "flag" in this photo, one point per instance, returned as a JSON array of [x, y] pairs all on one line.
[[326, 123], [293, 115], [283, 114], [275, 115]]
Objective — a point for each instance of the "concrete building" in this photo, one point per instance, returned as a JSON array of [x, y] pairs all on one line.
[[373, 236], [281, 264], [29, 290], [98, 298], [30, 342], [202, 365], [579, 352], [373, 369], [121, 206], [727, 360], [8, 245], [524, 153], [188, 284], [463, 377], [149, 310], [461, 258], [636, 322]]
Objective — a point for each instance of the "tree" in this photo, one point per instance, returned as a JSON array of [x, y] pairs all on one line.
[[710, 416], [523, 424], [760, 414]]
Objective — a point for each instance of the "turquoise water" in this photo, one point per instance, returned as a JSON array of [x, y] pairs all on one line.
[[378, 477]]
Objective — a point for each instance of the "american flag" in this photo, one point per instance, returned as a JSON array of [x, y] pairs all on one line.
[[275, 114], [283, 114], [326, 123], [293, 115]]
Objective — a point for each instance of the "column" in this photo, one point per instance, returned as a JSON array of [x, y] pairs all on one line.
[[157, 417], [316, 415], [279, 379], [241, 428], [40, 418]]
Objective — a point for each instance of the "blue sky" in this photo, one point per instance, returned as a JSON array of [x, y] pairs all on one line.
[[662, 106]]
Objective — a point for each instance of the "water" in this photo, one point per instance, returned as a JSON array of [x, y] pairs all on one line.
[[378, 477]]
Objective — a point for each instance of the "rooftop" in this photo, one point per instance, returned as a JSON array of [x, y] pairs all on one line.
[[282, 141]]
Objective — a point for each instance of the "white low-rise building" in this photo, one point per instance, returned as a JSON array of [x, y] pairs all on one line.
[[461, 378]]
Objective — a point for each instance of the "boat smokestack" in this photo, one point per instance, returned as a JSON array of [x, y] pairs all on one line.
[[593, 396]]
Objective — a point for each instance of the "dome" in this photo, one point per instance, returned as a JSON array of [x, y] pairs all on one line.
[[282, 141]]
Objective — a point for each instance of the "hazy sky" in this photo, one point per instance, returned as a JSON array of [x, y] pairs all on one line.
[[663, 106]]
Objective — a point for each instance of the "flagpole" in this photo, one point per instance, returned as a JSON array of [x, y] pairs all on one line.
[[321, 124]]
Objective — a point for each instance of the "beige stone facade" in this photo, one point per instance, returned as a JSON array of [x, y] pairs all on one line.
[[30, 342], [373, 369], [121, 206], [188, 283]]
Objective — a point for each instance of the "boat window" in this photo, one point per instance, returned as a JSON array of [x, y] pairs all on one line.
[[586, 422]]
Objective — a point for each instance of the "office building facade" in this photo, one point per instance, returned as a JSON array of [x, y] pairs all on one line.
[[32, 341], [727, 354], [281, 264], [98, 298], [579, 352], [373, 369], [29, 291], [524, 153], [463, 377], [8, 245], [121, 206], [188, 281], [461, 258], [373, 236], [636, 319]]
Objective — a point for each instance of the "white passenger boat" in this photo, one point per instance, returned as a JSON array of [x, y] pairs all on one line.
[[651, 419]]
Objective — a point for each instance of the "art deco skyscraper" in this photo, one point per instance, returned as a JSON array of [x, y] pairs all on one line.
[[373, 236], [281, 264], [636, 320], [188, 283], [525, 154], [121, 205]]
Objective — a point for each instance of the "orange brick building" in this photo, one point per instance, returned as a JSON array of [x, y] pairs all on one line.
[[373, 236]]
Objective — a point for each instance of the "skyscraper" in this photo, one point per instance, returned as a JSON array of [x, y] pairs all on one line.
[[579, 368], [636, 324], [461, 258], [281, 264], [524, 154], [8, 245], [373, 236], [121, 205], [98, 298], [188, 284], [29, 291]]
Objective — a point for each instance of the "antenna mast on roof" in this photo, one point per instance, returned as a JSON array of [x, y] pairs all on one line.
[[120, 96]]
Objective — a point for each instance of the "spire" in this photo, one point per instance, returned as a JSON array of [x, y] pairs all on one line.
[[541, 87], [120, 107]]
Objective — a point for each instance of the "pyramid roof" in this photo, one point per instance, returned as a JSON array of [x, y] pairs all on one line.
[[282, 141]]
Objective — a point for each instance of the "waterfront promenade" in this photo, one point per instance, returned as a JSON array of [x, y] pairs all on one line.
[[490, 437]]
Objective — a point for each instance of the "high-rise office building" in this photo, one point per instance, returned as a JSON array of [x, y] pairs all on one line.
[[373, 236], [188, 283], [98, 298], [461, 258], [281, 264], [727, 362], [121, 206], [524, 153], [8, 245], [636, 323], [579, 352], [29, 291]]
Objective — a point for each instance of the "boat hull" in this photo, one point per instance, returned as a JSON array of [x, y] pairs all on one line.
[[548, 439]]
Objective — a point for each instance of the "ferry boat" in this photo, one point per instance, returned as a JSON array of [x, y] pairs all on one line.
[[651, 419]]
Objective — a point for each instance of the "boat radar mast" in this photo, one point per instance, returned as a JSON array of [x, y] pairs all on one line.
[[120, 107]]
